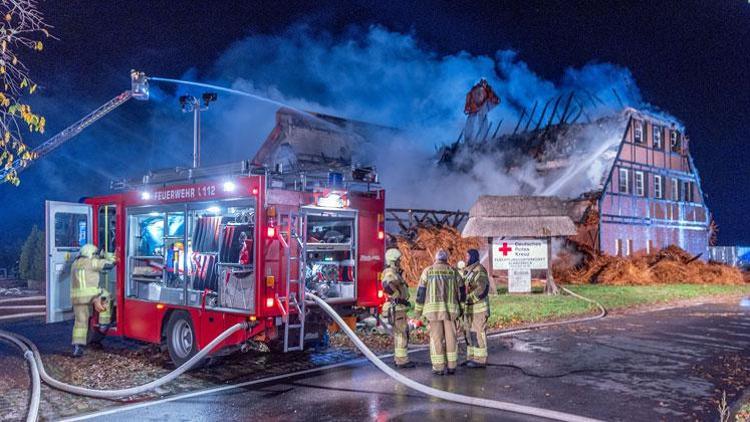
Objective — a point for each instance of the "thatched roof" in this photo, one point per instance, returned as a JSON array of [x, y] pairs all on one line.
[[568, 159], [519, 216], [302, 140]]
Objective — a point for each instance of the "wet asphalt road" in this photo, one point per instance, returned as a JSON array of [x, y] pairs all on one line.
[[662, 365]]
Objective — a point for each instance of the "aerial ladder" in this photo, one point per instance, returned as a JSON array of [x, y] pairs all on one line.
[[138, 90]]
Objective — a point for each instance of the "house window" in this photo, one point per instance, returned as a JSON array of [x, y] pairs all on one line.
[[638, 131], [674, 140], [618, 247], [675, 190], [639, 184], [629, 249], [624, 182], [689, 186], [657, 132], [658, 187]]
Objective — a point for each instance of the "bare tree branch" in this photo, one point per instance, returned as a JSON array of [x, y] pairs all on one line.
[[22, 29]]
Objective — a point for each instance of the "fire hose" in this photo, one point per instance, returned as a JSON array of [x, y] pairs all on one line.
[[31, 353], [445, 395]]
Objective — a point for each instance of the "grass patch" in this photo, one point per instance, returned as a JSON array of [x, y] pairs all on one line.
[[511, 310]]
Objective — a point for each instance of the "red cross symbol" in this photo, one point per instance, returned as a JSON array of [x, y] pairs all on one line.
[[505, 249]]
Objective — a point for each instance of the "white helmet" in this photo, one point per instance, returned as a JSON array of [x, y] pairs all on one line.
[[88, 250], [392, 255]]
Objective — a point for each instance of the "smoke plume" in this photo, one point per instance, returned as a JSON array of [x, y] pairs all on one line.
[[388, 78], [370, 74]]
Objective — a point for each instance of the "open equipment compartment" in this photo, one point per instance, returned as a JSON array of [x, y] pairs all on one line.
[[330, 250], [215, 270]]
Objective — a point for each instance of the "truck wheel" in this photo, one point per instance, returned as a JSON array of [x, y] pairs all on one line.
[[181, 341]]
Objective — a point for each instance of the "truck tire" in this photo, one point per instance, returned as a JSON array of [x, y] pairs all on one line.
[[180, 338]]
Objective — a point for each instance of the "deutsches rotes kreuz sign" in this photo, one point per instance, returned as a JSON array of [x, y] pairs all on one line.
[[519, 254]]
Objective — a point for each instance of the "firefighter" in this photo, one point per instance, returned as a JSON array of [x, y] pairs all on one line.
[[85, 293], [477, 310], [396, 307], [439, 298]]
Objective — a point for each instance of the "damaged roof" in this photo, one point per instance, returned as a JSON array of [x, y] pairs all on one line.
[[566, 160], [308, 141], [519, 216]]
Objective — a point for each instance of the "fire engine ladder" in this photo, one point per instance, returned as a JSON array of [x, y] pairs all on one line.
[[67, 133], [294, 301]]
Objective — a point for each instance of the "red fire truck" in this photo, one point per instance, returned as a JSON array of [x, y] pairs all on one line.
[[199, 250]]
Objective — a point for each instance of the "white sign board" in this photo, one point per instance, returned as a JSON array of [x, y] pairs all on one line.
[[519, 280], [519, 253]]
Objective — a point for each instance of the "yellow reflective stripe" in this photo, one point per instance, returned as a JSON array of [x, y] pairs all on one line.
[[84, 291], [480, 352], [440, 306], [80, 278], [79, 333], [477, 308], [400, 353], [437, 358], [452, 357]]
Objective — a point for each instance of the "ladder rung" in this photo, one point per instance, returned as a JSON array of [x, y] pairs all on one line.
[[294, 325], [293, 349]]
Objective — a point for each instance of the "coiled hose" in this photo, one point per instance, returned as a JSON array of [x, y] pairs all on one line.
[[445, 395], [36, 393], [32, 355]]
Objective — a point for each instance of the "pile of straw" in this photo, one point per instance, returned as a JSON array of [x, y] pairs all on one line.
[[420, 253], [668, 266]]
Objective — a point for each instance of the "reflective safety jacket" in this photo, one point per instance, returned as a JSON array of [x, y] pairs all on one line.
[[396, 288], [440, 293], [85, 278], [477, 289]]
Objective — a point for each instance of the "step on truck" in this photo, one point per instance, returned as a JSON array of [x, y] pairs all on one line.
[[199, 250]]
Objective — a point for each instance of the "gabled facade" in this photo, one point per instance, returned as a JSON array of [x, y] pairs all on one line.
[[628, 178], [652, 198]]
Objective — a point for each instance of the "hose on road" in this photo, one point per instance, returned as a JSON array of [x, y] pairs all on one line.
[[32, 355], [35, 398], [445, 395]]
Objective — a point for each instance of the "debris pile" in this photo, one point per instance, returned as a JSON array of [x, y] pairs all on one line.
[[669, 266], [420, 252]]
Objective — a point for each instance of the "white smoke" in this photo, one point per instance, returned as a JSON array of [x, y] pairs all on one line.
[[388, 78]]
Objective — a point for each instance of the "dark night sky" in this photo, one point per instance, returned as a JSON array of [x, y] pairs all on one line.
[[688, 57]]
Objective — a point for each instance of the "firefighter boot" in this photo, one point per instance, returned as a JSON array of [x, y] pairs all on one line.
[[405, 365], [473, 364], [77, 351]]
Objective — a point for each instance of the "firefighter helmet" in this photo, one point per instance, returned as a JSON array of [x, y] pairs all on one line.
[[392, 255], [88, 250]]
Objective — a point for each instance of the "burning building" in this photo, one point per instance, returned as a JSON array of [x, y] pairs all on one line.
[[628, 178], [314, 142]]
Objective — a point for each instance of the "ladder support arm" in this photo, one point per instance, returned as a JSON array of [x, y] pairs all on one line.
[[68, 133]]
